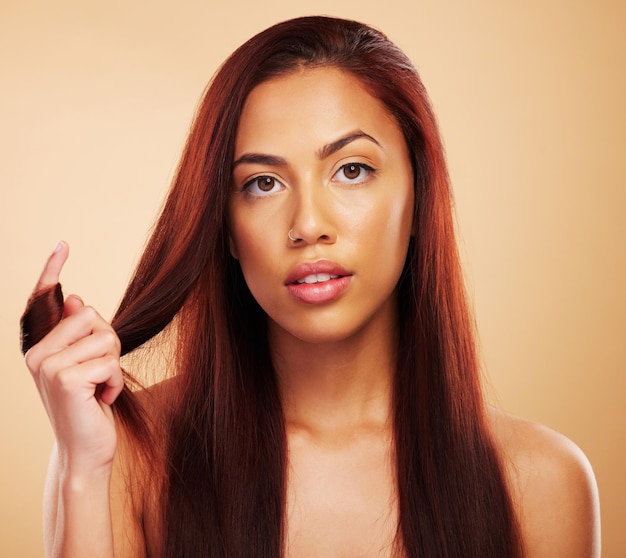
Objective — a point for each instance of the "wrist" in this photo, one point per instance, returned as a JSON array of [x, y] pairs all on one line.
[[77, 467], [81, 478]]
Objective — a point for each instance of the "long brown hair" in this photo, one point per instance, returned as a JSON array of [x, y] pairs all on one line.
[[226, 449]]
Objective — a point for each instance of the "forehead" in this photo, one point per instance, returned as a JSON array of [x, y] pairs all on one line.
[[310, 107]]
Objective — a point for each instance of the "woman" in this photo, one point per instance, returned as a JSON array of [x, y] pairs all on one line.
[[326, 399]]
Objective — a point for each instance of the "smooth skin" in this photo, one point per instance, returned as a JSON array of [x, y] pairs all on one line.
[[296, 170], [334, 359], [79, 354]]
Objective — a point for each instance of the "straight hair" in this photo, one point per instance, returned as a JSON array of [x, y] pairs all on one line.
[[224, 483]]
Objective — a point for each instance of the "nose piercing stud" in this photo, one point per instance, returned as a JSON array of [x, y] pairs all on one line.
[[291, 237]]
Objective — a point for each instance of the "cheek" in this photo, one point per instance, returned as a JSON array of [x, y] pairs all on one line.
[[244, 241], [255, 258], [390, 238], [393, 222], [248, 251]]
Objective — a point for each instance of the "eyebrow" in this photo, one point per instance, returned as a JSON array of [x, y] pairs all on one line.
[[322, 153], [260, 159], [335, 146]]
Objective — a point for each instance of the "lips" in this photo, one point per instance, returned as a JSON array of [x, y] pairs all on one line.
[[317, 282]]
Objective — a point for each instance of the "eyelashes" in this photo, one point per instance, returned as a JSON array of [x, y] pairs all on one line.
[[262, 185], [349, 173], [44, 310], [353, 173]]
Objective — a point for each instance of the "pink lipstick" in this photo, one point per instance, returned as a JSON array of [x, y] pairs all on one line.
[[317, 282]]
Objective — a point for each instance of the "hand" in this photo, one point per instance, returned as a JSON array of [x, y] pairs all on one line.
[[76, 368]]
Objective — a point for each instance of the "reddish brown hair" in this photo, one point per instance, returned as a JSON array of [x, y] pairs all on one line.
[[226, 455]]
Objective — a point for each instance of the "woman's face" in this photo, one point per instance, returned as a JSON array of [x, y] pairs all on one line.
[[318, 157]]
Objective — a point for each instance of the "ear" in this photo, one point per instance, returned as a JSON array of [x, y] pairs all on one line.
[[232, 247]]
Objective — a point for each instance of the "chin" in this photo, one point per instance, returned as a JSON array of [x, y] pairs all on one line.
[[319, 331]]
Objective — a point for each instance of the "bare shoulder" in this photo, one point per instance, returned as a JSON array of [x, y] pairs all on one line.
[[135, 481], [553, 488]]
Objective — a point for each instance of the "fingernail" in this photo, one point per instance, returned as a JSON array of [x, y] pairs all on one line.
[[58, 246]]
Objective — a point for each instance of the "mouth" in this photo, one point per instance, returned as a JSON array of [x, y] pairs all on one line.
[[310, 273], [318, 282]]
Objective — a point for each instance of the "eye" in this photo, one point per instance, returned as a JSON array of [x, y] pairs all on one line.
[[353, 173], [262, 185]]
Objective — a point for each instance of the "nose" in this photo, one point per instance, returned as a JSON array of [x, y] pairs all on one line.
[[312, 220]]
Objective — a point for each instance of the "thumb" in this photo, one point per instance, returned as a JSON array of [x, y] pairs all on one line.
[[73, 303]]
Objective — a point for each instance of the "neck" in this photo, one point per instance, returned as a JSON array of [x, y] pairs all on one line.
[[339, 386]]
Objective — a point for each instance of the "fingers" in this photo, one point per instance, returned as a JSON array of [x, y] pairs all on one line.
[[80, 356], [97, 377], [113, 386], [51, 271], [75, 362], [97, 345], [82, 335], [73, 303], [77, 400]]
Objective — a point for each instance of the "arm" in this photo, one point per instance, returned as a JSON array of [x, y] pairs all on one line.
[[77, 372], [77, 515], [121, 518]]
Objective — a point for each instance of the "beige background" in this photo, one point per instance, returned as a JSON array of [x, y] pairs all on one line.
[[95, 101]]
